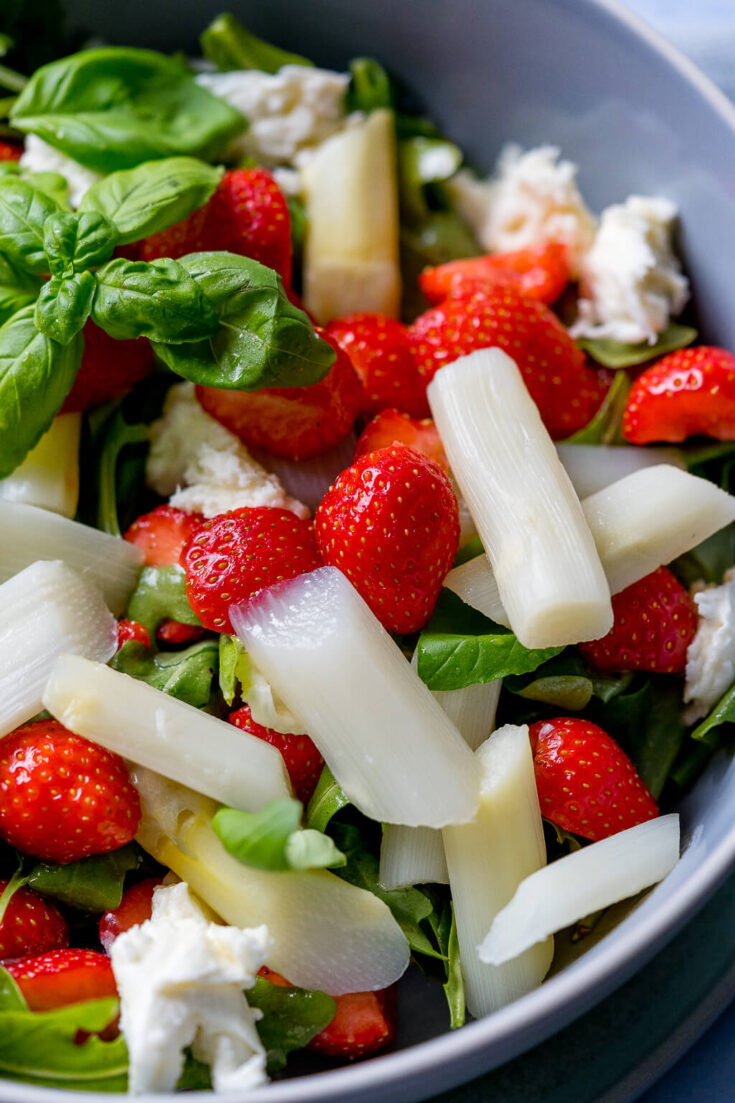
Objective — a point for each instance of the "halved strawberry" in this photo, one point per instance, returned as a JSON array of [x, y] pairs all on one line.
[[134, 908], [109, 368], [302, 759], [162, 534], [539, 273], [132, 630], [382, 355], [364, 1023], [30, 925], [174, 633], [395, 427], [690, 392], [63, 977], [10, 151]]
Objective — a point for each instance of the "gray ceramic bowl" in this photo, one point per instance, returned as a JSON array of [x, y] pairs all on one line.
[[637, 117]]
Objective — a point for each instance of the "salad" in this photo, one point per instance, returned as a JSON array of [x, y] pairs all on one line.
[[367, 562]]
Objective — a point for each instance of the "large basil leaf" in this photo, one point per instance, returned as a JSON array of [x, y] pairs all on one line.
[[153, 196], [615, 354], [186, 675], [228, 45], [291, 1018], [113, 108], [460, 647], [159, 300], [64, 305], [73, 242], [263, 340], [271, 839], [36, 374], [17, 289], [23, 213], [160, 595], [92, 884]]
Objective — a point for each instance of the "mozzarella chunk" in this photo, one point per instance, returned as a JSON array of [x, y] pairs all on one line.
[[631, 281], [710, 669], [39, 156], [181, 978], [205, 468]]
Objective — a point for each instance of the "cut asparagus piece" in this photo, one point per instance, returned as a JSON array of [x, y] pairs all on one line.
[[471, 710], [28, 534], [351, 245], [488, 859], [49, 475], [474, 581], [386, 740], [582, 883], [592, 467], [45, 610], [145, 725], [411, 856], [531, 523], [327, 934]]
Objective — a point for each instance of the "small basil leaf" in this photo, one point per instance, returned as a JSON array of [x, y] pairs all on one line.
[[186, 675], [153, 196], [604, 428], [327, 799], [59, 241], [228, 45], [262, 339], [234, 667], [17, 289], [615, 354], [96, 240], [291, 1017], [311, 849], [259, 839], [36, 374], [159, 595], [92, 884], [370, 86], [64, 305], [23, 213], [159, 300]]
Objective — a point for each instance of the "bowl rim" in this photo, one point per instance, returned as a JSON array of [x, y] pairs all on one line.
[[578, 987]]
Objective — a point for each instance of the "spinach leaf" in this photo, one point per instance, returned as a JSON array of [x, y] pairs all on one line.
[[460, 647], [615, 354], [64, 305], [92, 884], [291, 1018], [23, 213], [327, 799], [186, 675], [262, 339], [17, 289], [604, 428], [114, 107], [722, 713], [159, 595], [36, 374], [73, 242], [158, 300], [271, 839], [153, 196], [370, 86], [228, 45]]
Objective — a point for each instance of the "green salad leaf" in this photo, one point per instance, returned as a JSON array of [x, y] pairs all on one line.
[[423, 161], [272, 839], [23, 213], [707, 731], [234, 666], [615, 354], [327, 800], [186, 675], [73, 242], [454, 984], [370, 86], [64, 305], [291, 1018], [158, 300], [567, 683], [116, 436], [160, 595], [604, 428], [228, 45], [93, 884], [17, 289]]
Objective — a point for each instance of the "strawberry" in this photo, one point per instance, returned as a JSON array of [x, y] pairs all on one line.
[[231, 557], [247, 215], [302, 759], [30, 925], [655, 621], [162, 534], [174, 633], [10, 151], [688, 393], [134, 908], [132, 630], [566, 391], [109, 368], [390, 523], [62, 797], [294, 422], [62, 977], [274, 977], [364, 1023], [382, 355], [395, 427], [586, 783], [539, 273]]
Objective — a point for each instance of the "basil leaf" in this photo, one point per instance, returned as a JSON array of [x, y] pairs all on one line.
[[153, 196], [271, 839], [36, 374], [370, 86], [186, 675], [23, 213], [159, 300], [234, 666], [92, 884], [310, 849], [11, 997], [615, 354], [64, 305], [159, 595], [78, 241], [52, 184], [604, 428], [228, 45], [722, 713], [326, 800], [263, 340], [460, 647], [291, 1017], [114, 107], [17, 289]]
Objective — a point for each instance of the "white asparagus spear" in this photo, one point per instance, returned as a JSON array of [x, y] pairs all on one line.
[[49, 475]]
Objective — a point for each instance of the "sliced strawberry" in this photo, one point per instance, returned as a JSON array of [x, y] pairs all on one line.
[[302, 759], [10, 151], [174, 633], [294, 422], [566, 391], [382, 355], [231, 557], [162, 534], [395, 427], [61, 797], [540, 273], [690, 392], [247, 215], [134, 908], [655, 621], [132, 630], [364, 1023], [30, 925], [273, 977], [586, 783], [390, 523], [63, 977], [109, 368]]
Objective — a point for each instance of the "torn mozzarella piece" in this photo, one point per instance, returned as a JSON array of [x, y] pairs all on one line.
[[39, 156], [710, 669]]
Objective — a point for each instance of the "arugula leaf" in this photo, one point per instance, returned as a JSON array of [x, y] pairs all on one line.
[[291, 1018], [114, 107], [271, 839], [160, 594], [158, 300], [262, 339], [36, 374], [228, 45], [186, 675], [370, 86], [93, 884], [326, 800], [64, 305], [73, 242], [604, 428], [722, 713], [17, 289], [615, 354], [460, 647], [23, 213], [152, 196]]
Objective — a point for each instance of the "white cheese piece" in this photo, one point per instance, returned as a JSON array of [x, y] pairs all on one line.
[[289, 112], [39, 156], [710, 666], [631, 281], [181, 978], [205, 468]]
